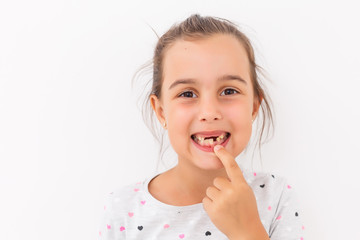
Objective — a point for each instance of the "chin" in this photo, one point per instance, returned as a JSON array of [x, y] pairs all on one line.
[[210, 163]]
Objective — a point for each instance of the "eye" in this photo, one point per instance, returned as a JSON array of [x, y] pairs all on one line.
[[187, 94], [230, 91]]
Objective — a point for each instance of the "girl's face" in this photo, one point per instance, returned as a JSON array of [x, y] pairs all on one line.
[[206, 92]]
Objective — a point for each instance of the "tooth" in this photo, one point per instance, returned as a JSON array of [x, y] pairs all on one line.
[[220, 138], [206, 142]]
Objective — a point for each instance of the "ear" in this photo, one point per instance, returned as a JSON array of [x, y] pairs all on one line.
[[257, 103], [158, 108]]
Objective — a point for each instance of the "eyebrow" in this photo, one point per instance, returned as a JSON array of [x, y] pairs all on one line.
[[222, 78]]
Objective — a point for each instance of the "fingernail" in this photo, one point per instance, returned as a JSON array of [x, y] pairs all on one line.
[[218, 147]]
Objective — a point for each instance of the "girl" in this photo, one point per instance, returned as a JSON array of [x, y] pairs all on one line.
[[206, 94]]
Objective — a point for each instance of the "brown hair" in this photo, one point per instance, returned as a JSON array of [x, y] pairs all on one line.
[[193, 28]]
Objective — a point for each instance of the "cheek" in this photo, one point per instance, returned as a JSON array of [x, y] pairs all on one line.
[[241, 125], [182, 111], [179, 118], [239, 114]]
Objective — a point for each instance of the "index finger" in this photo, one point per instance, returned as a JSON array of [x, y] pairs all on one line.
[[231, 167]]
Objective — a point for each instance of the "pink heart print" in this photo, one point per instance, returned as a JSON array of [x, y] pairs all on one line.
[[131, 214], [143, 202], [181, 236], [122, 228], [166, 226]]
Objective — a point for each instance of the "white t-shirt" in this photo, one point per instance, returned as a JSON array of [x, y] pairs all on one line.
[[131, 212]]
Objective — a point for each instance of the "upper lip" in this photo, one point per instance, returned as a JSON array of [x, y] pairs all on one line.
[[209, 133]]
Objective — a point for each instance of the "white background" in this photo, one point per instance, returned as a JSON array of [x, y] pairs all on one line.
[[71, 131]]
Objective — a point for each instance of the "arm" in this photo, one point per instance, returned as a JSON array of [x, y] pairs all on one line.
[[287, 222], [106, 223]]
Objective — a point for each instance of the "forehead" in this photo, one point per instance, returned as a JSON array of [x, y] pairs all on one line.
[[205, 59]]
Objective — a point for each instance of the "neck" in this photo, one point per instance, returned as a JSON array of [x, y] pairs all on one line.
[[193, 181]]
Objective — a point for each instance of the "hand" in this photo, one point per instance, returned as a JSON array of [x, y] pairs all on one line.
[[231, 203]]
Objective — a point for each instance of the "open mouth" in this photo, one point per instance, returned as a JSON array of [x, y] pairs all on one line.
[[210, 141]]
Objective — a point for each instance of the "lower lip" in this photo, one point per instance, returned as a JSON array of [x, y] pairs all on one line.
[[209, 149]]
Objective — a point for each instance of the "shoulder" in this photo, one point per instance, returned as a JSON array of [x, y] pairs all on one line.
[[278, 204], [264, 178], [267, 185], [121, 197], [127, 191]]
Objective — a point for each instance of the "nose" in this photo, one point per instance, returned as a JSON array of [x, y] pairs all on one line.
[[209, 110]]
